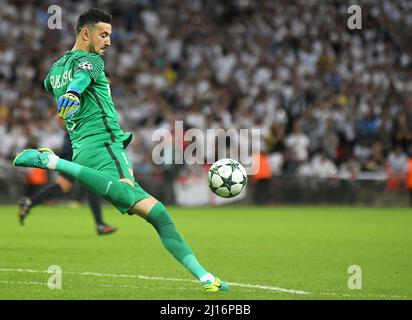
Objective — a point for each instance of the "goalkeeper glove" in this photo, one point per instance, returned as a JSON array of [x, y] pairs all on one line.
[[68, 104]]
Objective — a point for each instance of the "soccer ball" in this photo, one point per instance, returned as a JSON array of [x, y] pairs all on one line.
[[227, 178]]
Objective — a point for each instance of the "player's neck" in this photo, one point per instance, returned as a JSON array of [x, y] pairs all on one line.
[[79, 46]]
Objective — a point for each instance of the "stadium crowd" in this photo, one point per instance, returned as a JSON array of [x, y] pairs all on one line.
[[328, 100]]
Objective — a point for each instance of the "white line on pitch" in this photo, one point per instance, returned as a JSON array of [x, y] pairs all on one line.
[[254, 286], [23, 282], [111, 285], [142, 277], [383, 296]]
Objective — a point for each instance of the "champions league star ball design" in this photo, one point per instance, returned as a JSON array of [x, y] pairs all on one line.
[[86, 65], [227, 178]]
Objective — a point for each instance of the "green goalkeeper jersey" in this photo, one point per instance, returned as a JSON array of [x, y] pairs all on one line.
[[96, 121]]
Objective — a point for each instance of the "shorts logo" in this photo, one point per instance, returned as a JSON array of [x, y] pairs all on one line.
[[86, 65]]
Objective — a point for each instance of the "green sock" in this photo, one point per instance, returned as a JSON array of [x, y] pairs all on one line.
[[118, 193], [173, 242]]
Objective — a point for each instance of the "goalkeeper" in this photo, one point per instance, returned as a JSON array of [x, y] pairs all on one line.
[[100, 162]]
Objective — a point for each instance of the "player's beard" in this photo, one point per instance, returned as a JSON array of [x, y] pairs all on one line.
[[92, 48]]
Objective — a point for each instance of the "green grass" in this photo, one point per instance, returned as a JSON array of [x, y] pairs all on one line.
[[295, 248]]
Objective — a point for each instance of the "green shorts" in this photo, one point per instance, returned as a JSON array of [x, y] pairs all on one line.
[[111, 159]]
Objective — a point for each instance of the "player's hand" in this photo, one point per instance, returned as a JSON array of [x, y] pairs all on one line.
[[68, 104]]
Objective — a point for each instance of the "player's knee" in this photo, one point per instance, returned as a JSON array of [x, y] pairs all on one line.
[[65, 184], [143, 207]]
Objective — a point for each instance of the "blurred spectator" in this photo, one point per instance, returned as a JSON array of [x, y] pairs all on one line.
[[276, 161], [298, 143], [261, 179], [402, 133], [348, 173], [398, 161], [376, 162], [397, 169], [330, 140], [349, 170], [323, 167], [409, 178]]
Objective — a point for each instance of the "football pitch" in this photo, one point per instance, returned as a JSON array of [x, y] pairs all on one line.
[[264, 253]]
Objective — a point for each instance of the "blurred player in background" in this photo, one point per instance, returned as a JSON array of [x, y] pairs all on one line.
[[100, 162]]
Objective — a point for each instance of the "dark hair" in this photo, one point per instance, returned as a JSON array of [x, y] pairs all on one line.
[[92, 16]]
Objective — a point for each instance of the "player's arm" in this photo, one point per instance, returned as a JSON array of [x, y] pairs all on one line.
[[47, 84], [87, 72], [69, 103]]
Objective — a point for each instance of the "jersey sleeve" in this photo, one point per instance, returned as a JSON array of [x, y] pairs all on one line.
[[93, 65], [80, 82], [47, 84]]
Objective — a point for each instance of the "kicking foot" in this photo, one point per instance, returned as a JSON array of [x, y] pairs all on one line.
[[35, 158], [217, 285], [104, 229], [25, 205]]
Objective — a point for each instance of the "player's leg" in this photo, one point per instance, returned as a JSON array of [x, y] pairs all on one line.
[[63, 184], [102, 184], [158, 216], [126, 198], [155, 213], [50, 191], [96, 209]]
